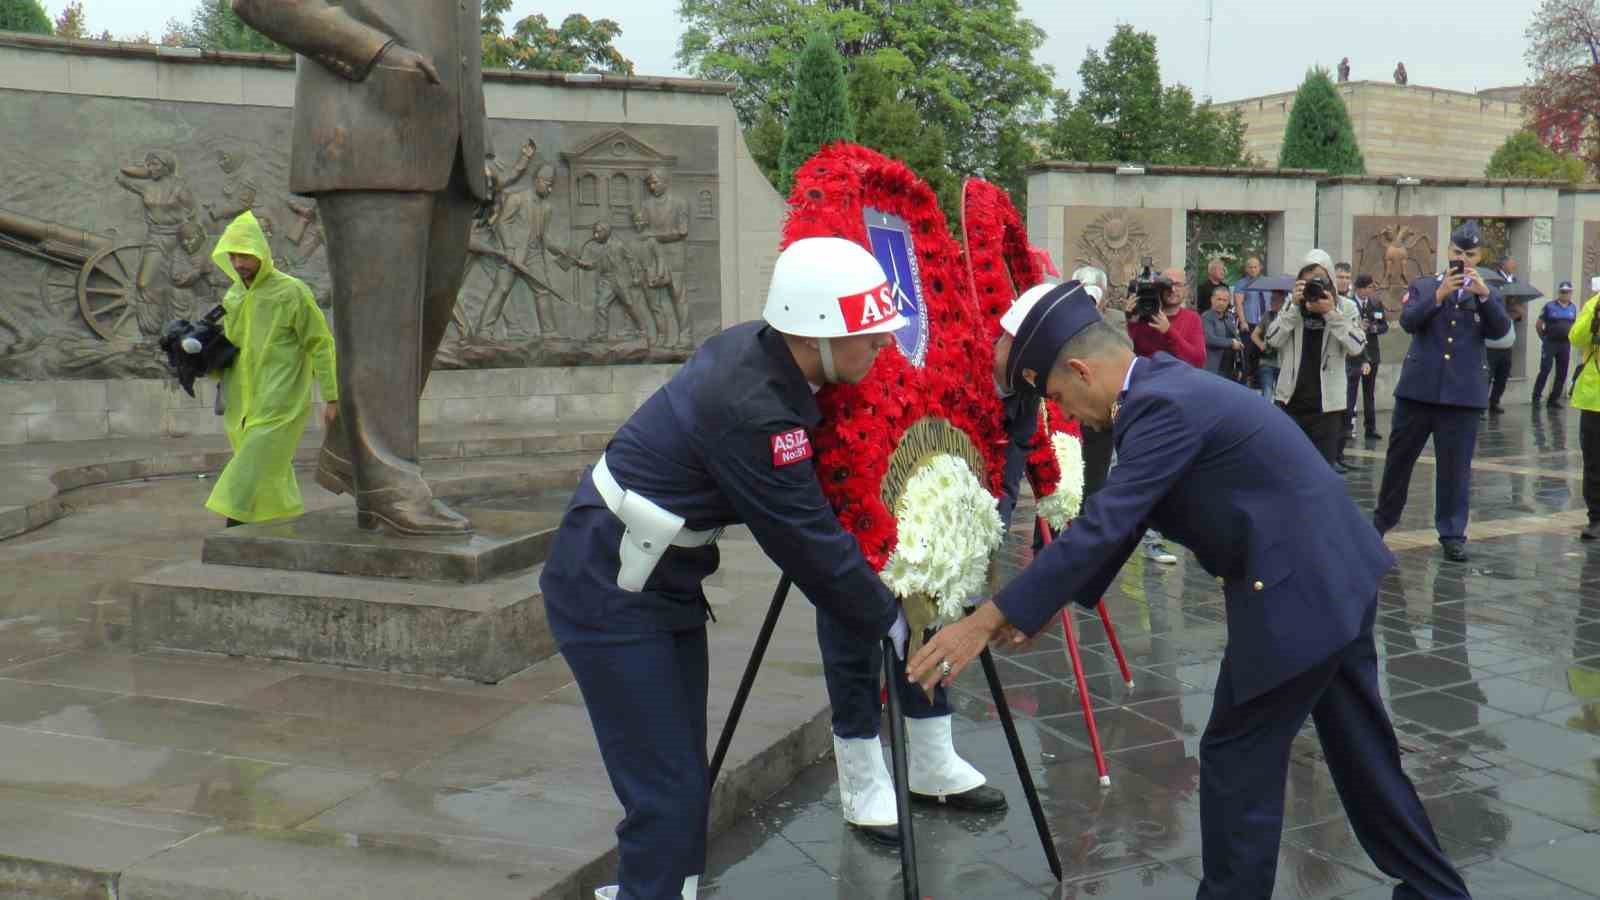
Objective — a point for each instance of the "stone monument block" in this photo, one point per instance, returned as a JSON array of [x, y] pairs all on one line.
[[1591, 260], [1116, 239], [1395, 250]]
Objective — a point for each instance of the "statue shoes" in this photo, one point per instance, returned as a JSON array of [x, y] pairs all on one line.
[[412, 516]]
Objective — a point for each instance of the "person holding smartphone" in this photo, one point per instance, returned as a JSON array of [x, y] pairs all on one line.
[[1442, 388]]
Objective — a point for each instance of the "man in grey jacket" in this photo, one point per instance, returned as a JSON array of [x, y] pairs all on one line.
[[1314, 334]]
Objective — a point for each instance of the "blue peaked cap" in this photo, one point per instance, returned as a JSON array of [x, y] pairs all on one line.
[[1054, 320], [1467, 236]]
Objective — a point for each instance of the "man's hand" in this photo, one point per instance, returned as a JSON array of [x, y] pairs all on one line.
[[1449, 285], [1161, 323], [1477, 286], [1366, 369], [1237, 344], [1320, 307], [1298, 292], [399, 56], [958, 644], [330, 412]]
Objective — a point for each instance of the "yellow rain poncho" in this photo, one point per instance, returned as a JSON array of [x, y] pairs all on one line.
[[282, 338]]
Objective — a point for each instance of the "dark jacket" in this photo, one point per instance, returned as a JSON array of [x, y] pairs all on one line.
[[1221, 331], [1198, 461], [1446, 363], [703, 447]]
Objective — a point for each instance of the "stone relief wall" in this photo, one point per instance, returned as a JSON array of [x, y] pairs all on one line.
[[601, 245], [1395, 250], [1591, 259], [1116, 240]]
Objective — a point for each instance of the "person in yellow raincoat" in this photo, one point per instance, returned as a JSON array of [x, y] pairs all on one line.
[[283, 339]]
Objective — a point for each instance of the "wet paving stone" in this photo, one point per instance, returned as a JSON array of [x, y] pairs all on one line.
[[1491, 672]]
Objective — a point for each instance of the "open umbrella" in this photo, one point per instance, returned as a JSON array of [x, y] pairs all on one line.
[[1517, 290], [1268, 283]]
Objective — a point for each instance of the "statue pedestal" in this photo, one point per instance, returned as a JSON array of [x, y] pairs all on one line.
[[318, 589]]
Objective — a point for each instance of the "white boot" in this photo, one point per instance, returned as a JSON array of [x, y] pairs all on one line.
[[933, 768], [866, 793], [691, 888]]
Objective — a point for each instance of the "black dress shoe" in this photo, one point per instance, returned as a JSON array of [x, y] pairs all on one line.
[[1373, 436], [1552, 403], [1591, 533], [1497, 410], [981, 799], [1455, 551], [1340, 467], [883, 835]]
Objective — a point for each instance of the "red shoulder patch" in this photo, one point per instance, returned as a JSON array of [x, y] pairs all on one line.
[[790, 447]]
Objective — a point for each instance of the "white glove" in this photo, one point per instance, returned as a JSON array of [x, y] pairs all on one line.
[[899, 632]]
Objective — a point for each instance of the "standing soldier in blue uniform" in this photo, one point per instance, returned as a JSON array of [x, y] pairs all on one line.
[[1442, 389], [1198, 460], [726, 441]]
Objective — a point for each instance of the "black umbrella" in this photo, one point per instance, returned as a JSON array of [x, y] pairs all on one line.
[[1517, 290]]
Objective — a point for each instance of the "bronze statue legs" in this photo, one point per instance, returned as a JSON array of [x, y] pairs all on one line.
[[397, 260]]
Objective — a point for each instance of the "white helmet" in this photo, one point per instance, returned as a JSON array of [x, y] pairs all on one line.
[[828, 287], [1012, 320], [1093, 279]]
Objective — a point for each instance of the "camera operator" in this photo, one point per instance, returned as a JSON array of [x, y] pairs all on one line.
[[1362, 372], [283, 339], [1586, 398], [1314, 334], [1159, 322]]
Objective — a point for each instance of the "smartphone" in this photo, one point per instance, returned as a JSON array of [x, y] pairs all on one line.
[[1457, 266]]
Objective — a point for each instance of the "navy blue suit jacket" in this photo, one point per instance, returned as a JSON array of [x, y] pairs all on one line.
[[1202, 460], [1021, 421], [703, 447], [1446, 362]]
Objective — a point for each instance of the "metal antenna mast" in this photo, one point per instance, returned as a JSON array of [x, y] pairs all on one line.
[[1210, 14]]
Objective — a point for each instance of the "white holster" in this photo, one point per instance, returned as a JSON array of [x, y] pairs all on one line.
[[648, 529]]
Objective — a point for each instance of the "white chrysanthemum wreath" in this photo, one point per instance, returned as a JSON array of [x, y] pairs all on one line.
[[948, 527], [1064, 505]]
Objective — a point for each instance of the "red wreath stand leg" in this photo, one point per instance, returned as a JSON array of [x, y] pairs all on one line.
[[1077, 669]]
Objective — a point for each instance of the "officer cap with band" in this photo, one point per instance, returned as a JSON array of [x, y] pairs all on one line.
[[1565, 288], [1467, 236], [1056, 318]]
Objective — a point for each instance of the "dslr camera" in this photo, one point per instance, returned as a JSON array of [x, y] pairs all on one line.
[[1316, 290], [196, 349], [1149, 291]]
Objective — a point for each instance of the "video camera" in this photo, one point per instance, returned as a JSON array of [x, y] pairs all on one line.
[[195, 349], [1149, 291]]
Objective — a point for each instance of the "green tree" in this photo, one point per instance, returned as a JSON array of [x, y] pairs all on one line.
[[24, 15], [968, 68], [213, 25], [1319, 134], [891, 125], [1124, 114], [579, 44], [1523, 156], [819, 107]]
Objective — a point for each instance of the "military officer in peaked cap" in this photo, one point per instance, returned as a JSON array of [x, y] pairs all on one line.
[[1442, 388], [1198, 461], [726, 441]]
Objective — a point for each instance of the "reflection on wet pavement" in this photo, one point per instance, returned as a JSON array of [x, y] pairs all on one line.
[[1491, 671]]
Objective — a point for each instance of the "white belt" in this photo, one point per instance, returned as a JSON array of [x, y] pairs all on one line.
[[648, 529]]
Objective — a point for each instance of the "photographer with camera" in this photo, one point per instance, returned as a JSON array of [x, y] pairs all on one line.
[[283, 339], [1158, 322], [1314, 334], [1586, 399]]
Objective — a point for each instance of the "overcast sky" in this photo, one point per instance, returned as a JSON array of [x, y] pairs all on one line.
[[1258, 46]]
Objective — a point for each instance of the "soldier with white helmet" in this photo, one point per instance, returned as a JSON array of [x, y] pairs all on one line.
[[727, 441]]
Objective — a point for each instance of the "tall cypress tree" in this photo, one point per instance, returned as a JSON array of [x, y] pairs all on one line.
[[1319, 134], [819, 107], [24, 15]]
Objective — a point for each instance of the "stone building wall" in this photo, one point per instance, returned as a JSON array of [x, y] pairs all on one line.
[[81, 218], [1402, 130]]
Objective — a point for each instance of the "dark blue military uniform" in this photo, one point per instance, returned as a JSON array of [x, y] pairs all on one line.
[[1443, 386], [1021, 422], [1197, 461], [702, 447]]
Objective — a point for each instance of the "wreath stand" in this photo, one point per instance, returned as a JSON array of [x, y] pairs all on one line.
[[897, 744]]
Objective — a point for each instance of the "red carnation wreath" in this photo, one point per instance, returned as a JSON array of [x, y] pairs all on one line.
[[1002, 264], [875, 433]]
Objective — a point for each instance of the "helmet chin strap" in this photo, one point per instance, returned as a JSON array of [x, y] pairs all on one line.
[[829, 373]]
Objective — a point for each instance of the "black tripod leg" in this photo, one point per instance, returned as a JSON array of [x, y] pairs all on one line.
[[1024, 773], [902, 788], [756, 654]]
